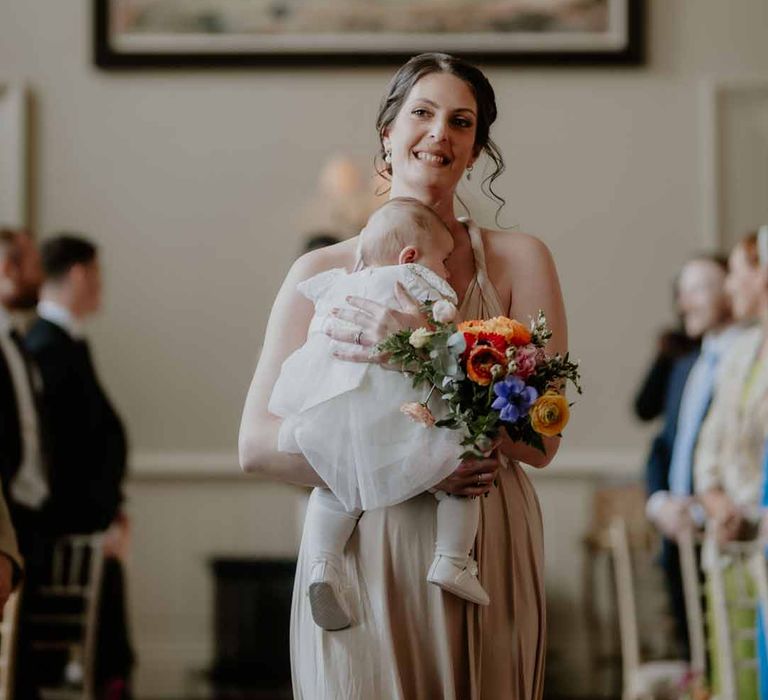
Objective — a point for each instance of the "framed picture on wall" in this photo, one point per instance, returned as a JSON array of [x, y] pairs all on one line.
[[241, 33]]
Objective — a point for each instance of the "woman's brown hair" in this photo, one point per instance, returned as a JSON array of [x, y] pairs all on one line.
[[400, 87]]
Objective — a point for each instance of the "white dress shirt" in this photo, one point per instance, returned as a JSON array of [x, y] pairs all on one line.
[[30, 485], [61, 316]]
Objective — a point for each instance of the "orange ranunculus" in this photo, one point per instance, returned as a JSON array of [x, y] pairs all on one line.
[[512, 331], [480, 361], [494, 340], [550, 414], [474, 339], [473, 327]]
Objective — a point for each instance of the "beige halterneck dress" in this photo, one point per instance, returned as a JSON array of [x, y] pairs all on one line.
[[411, 641]]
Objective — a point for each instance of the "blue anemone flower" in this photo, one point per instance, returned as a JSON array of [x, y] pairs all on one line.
[[513, 399]]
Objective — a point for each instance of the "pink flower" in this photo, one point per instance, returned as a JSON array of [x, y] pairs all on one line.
[[526, 359], [418, 413], [443, 311]]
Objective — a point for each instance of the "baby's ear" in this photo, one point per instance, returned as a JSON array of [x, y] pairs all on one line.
[[408, 254]]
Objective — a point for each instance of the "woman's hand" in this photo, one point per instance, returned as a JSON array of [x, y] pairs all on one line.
[[373, 322], [728, 518], [474, 477]]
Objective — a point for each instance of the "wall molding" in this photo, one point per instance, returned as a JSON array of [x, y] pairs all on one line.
[[189, 465], [14, 142], [712, 93]]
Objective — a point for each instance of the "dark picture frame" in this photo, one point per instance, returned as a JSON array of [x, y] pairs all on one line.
[[622, 43]]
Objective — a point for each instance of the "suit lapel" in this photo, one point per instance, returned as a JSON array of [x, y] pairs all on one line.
[[10, 426]]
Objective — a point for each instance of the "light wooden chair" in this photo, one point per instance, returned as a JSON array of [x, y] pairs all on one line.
[[9, 630], [602, 648], [75, 577], [650, 680], [687, 542], [743, 561]]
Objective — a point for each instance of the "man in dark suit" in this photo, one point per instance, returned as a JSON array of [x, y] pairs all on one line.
[[88, 445], [23, 467], [15, 283], [23, 464], [669, 469]]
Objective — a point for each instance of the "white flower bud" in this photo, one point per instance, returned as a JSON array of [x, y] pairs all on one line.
[[443, 311], [419, 338]]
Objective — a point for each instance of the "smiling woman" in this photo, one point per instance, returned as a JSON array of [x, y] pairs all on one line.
[[464, 104], [407, 639]]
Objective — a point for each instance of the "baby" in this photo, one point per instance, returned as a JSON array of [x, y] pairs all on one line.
[[345, 417]]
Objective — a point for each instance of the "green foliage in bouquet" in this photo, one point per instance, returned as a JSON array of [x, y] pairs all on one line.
[[490, 375]]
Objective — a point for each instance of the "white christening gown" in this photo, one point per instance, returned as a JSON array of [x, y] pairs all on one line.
[[345, 417]]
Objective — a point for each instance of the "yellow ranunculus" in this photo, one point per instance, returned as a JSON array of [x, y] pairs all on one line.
[[550, 414]]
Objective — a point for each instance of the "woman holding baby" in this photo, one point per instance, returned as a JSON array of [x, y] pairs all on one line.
[[409, 639]]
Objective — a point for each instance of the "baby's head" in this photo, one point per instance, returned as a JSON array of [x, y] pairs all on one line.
[[405, 230]]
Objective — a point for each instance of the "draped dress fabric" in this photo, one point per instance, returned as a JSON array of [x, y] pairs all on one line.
[[409, 640]]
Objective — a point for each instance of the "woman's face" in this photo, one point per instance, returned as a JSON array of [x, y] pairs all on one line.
[[432, 139], [745, 285]]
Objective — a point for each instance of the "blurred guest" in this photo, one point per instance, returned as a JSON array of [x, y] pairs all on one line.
[[651, 398], [706, 314], [22, 465], [672, 344], [23, 470], [87, 441], [728, 462], [28, 273], [729, 454]]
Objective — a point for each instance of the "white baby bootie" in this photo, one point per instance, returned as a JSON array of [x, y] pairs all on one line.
[[458, 575], [325, 596]]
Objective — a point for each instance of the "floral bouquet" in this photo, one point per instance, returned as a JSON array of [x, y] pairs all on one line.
[[490, 374]]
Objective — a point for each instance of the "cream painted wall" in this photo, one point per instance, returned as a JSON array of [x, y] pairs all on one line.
[[191, 181]]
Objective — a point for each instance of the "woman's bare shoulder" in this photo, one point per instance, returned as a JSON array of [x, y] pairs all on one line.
[[514, 247], [516, 260]]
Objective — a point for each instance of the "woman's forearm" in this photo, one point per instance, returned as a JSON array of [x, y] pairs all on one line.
[[530, 455], [259, 456]]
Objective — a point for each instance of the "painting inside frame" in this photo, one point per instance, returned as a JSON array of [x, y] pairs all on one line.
[[223, 31]]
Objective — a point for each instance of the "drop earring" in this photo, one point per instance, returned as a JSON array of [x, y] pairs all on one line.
[[388, 157], [469, 172]]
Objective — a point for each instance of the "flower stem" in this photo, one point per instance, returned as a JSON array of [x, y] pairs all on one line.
[[429, 395]]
